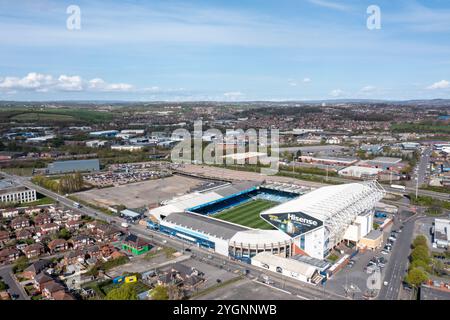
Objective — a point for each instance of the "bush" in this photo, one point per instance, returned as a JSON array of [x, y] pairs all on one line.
[[420, 253], [420, 240], [126, 291], [416, 277], [21, 264], [160, 293]]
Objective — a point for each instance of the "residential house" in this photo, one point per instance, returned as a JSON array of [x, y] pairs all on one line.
[[10, 213], [106, 233], [33, 250], [52, 288], [59, 295], [74, 256], [93, 252], [58, 245], [135, 245], [80, 241], [73, 216], [19, 223], [43, 218], [40, 280], [24, 234], [4, 237], [33, 210], [49, 228], [35, 268], [73, 224], [9, 255]]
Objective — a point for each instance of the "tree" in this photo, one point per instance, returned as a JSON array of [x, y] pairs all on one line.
[[175, 293], [3, 286], [420, 264], [64, 234], [160, 293], [416, 277], [126, 291], [420, 240], [421, 253], [21, 264]]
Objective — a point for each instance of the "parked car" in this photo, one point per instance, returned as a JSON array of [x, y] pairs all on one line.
[[384, 252]]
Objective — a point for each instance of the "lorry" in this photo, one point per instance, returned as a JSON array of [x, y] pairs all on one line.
[[398, 187]]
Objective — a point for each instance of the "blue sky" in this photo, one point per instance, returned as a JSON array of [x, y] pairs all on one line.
[[224, 50]]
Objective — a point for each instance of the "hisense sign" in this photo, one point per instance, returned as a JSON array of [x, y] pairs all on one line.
[[292, 223], [310, 222]]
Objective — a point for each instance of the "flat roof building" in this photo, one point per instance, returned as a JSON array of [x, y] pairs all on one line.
[[441, 233], [89, 165], [12, 192]]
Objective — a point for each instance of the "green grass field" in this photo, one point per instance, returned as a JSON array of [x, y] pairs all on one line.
[[247, 214]]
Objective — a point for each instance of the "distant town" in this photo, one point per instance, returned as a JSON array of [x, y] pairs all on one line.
[[93, 206]]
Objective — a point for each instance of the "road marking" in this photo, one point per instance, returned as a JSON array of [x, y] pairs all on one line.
[[268, 285]]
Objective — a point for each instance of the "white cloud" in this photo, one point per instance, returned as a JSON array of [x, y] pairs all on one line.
[[233, 95], [32, 81], [368, 89], [43, 83], [100, 85], [330, 5], [336, 93], [443, 84], [306, 80], [292, 83], [69, 83]]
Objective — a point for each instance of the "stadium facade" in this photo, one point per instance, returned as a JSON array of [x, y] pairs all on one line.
[[304, 222]]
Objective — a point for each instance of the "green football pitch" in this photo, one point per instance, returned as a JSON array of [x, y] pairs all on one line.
[[247, 214]]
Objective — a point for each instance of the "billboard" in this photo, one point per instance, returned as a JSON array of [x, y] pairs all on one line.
[[292, 223]]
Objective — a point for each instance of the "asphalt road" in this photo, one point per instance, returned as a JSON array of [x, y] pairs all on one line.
[[14, 287], [397, 267]]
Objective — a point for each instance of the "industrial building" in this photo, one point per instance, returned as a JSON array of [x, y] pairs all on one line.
[[441, 237], [11, 192], [360, 172], [57, 167]]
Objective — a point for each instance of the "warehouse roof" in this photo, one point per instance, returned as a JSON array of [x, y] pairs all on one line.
[[204, 225], [286, 264]]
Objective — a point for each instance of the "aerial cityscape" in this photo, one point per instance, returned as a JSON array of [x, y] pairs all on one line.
[[213, 151]]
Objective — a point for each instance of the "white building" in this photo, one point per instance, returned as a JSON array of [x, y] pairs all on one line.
[[126, 148], [441, 233], [10, 192], [291, 268], [321, 219], [360, 172], [96, 143]]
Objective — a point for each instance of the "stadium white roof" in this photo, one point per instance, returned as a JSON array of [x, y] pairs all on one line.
[[260, 237], [337, 206]]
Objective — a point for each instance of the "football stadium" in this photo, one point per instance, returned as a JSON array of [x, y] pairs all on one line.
[[256, 222]]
